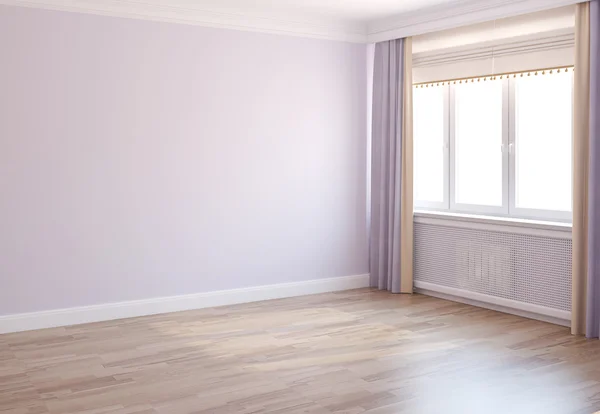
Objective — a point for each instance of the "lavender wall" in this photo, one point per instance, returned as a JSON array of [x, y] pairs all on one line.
[[142, 159]]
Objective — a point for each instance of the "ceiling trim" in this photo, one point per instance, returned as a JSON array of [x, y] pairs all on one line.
[[450, 15], [290, 26], [455, 14]]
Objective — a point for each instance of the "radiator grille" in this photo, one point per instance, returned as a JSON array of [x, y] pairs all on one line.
[[526, 268]]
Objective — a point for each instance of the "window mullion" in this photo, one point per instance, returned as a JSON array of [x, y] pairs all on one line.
[[512, 147], [452, 147], [506, 147], [447, 102]]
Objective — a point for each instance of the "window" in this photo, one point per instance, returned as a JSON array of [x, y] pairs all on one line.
[[498, 146], [542, 145], [478, 139], [430, 158]]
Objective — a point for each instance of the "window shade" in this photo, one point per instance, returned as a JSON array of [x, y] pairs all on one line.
[[528, 42]]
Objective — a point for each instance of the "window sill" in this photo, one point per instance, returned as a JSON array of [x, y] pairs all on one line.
[[469, 220]]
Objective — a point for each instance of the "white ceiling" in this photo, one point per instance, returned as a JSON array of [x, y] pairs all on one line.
[[347, 20]]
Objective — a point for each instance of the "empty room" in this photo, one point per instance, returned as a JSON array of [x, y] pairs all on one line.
[[299, 206]]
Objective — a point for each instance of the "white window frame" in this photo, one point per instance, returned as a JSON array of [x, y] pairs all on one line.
[[528, 213], [441, 205], [474, 208], [508, 208]]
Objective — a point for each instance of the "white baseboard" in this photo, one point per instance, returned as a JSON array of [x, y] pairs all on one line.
[[130, 309], [513, 307]]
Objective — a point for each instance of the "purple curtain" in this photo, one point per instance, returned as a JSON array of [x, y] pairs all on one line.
[[391, 168], [593, 271]]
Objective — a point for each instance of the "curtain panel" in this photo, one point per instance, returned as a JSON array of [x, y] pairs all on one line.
[[585, 315], [391, 237]]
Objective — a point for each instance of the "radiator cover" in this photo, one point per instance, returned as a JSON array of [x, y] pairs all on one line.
[[531, 269]]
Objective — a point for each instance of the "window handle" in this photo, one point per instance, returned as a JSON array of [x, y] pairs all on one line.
[[510, 148]]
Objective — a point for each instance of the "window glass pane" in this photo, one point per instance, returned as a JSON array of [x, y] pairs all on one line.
[[478, 143], [543, 125], [428, 130]]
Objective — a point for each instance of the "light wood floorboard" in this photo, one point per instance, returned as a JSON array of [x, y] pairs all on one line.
[[351, 352]]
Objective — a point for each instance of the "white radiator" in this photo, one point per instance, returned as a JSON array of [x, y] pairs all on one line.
[[512, 267]]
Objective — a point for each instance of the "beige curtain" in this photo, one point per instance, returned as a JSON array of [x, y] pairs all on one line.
[[581, 151], [406, 255]]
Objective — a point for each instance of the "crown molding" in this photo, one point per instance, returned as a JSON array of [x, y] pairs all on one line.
[[287, 25], [450, 15], [455, 14]]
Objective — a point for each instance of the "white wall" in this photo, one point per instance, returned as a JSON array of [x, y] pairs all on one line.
[[142, 159], [497, 30]]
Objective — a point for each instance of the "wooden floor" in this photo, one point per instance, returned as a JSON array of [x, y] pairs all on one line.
[[352, 352]]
